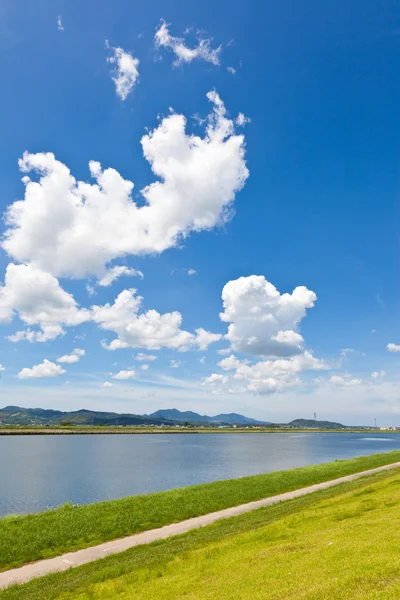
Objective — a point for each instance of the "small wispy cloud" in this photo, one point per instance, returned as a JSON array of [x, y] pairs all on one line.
[[126, 70], [184, 54], [60, 25], [175, 364]]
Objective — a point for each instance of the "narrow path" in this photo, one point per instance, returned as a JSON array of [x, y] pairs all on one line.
[[87, 555]]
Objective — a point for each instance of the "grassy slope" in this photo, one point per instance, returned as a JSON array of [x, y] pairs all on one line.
[[341, 543], [27, 538]]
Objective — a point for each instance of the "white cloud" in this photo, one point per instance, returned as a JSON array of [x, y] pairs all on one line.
[[90, 290], [378, 374], [2, 368], [106, 384], [74, 357], [277, 375], [393, 348], [141, 356], [126, 71], [205, 338], [231, 70], [346, 351], [45, 369], [184, 54], [191, 272], [265, 376], [73, 228], [150, 330], [175, 364], [241, 120], [262, 321], [131, 374], [203, 360], [231, 362], [144, 367], [224, 351], [116, 272], [216, 378], [38, 299], [60, 26], [345, 381]]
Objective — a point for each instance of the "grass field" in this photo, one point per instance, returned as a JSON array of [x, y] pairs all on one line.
[[31, 537], [338, 544]]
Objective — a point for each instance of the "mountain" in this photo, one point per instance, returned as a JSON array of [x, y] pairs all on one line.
[[15, 415], [310, 423], [191, 417]]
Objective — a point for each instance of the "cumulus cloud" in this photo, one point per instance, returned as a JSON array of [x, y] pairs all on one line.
[[215, 378], [45, 369], [116, 272], [126, 71], [393, 348], [148, 357], [265, 376], [106, 384], [72, 228], [184, 54], [231, 70], [205, 338], [60, 25], [131, 374], [231, 362], [38, 299], [150, 330], [261, 320], [74, 357], [277, 375], [2, 368], [144, 367], [191, 272]]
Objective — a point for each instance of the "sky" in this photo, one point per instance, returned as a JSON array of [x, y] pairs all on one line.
[[200, 207]]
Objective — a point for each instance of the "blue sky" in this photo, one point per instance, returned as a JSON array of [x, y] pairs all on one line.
[[301, 191]]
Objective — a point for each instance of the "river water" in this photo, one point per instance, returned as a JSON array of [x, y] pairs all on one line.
[[41, 471]]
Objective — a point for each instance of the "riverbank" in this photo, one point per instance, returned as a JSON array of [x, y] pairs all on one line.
[[338, 543], [31, 537], [137, 430]]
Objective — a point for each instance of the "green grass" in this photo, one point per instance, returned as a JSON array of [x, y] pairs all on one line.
[[338, 544], [31, 537]]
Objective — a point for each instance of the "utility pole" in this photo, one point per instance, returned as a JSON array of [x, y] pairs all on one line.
[[315, 416], [375, 423]]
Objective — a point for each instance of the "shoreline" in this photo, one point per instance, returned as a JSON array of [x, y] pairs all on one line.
[[5, 431], [32, 537], [64, 562]]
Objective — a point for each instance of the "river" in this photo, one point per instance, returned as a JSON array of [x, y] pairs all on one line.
[[40, 471]]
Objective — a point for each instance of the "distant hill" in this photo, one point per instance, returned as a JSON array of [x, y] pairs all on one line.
[[191, 417], [15, 415], [310, 423]]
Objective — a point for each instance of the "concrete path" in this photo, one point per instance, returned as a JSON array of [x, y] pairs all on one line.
[[81, 557]]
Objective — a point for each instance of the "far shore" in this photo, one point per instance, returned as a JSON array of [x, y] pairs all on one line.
[[132, 430]]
